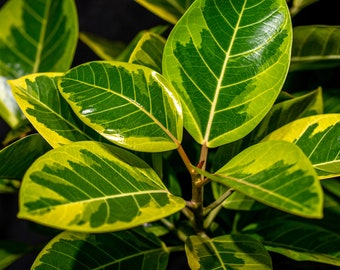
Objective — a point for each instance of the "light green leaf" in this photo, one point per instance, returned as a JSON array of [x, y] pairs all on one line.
[[9, 109], [227, 83], [226, 252], [37, 36], [168, 10], [149, 51], [319, 138], [18, 156], [41, 102], [128, 250], [94, 187], [130, 105], [298, 240], [275, 173], [105, 49], [315, 47]]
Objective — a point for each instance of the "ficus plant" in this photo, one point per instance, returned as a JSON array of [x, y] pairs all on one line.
[[188, 141]]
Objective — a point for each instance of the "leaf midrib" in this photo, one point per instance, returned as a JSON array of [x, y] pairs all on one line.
[[219, 83]]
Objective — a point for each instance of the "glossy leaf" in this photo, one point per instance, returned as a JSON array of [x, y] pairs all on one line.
[[226, 252], [37, 36], [298, 240], [94, 187], [275, 173], [18, 156], [9, 109], [149, 51], [228, 60], [130, 249], [130, 105], [168, 10], [41, 102], [315, 47], [319, 138]]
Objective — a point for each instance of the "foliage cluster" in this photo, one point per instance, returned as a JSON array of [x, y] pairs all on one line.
[[193, 139]]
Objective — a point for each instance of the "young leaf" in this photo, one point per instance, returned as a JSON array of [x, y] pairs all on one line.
[[228, 60], [298, 240], [275, 173], [41, 102], [319, 138], [130, 105], [149, 51], [18, 156], [168, 10], [94, 187], [315, 47], [226, 252], [130, 249], [37, 36]]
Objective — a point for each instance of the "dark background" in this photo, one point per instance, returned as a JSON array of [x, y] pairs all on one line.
[[122, 20]]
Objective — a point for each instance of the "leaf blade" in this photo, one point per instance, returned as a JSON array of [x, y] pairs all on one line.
[[233, 86], [273, 181], [140, 112], [104, 188]]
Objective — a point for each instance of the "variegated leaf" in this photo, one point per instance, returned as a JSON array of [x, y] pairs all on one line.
[[319, 138], [37, 36], [128, 104], [128, 250], [226, 252], [228, 60], [275, 173], [94, 187], [41, 102]]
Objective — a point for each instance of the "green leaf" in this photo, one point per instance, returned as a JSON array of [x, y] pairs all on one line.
[[226, 252], [275, 173], [37, 36], [101, 187], [11, 252], [9, 109], [41, 102], [298, 240], [130, 105], [168, 10], [315, 47], [105, 49], [18, 156], [227, 83], [319, 138], [131, 249], [149, 51]]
